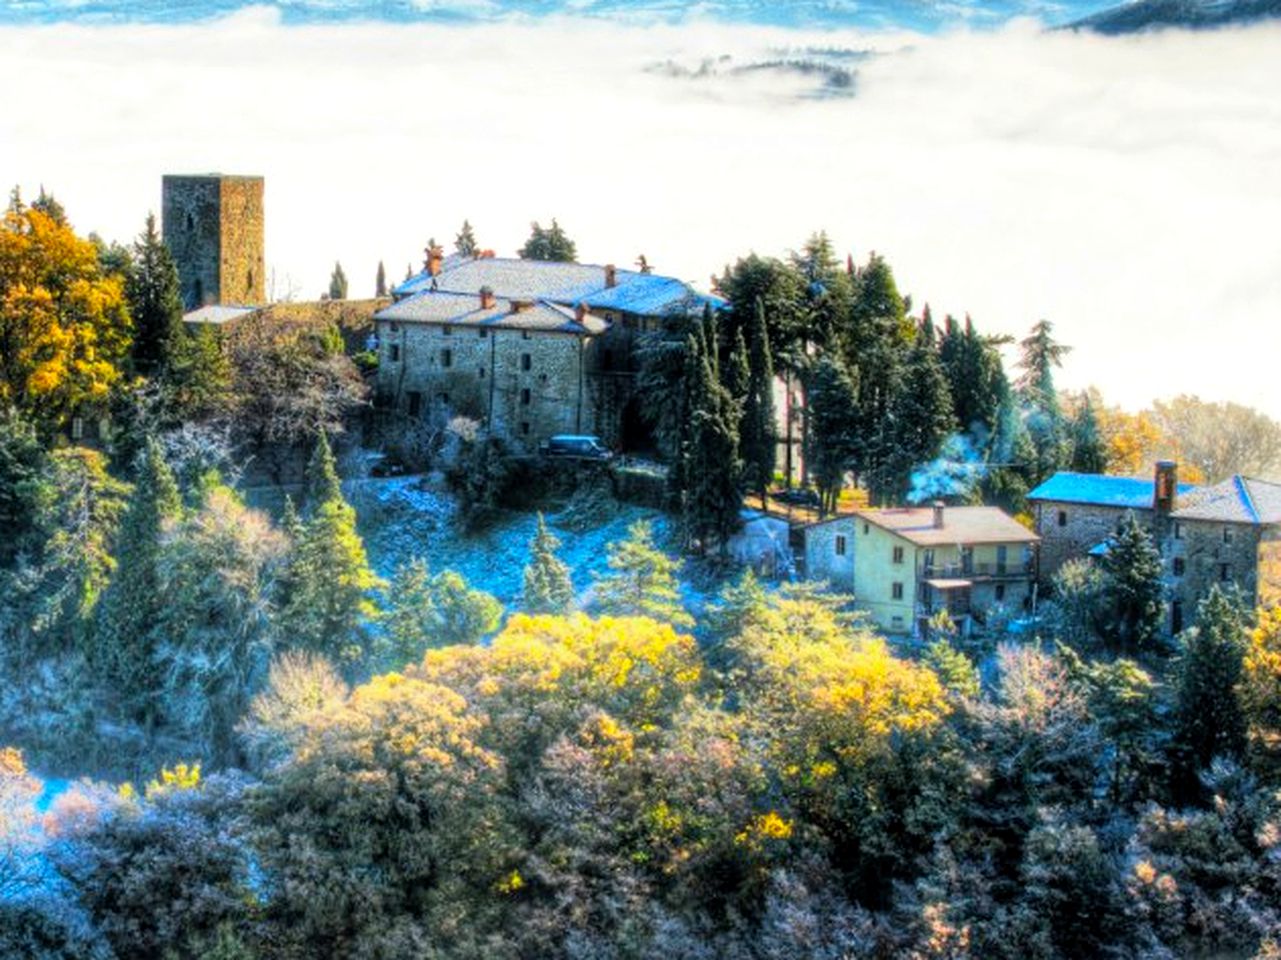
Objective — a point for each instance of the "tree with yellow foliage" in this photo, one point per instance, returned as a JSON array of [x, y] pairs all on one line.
[[1260, 693], [64, 324]]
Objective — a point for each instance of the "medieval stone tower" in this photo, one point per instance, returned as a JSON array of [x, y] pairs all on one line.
[[213, 226]]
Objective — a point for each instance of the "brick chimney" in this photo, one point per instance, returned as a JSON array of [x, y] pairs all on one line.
[[938, 514], [580, 311], [520, 306], [1165, 487], [611, 276], [486, 298], [435, 257]]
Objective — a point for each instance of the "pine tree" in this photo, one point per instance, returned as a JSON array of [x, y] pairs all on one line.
[[198, 376], [642, 580], [380, 281], [155, 301], [131, 603], [921, 417], [338, 283], [1132, 587], [757, 436], [976, 379], [548, 244], [832, 397], [465, 242], [411, 618], [330, 606], [547, 585], [1040, 355], [1209, 722], [1089, 453]]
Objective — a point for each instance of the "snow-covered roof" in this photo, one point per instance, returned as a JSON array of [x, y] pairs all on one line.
[[465, 310], [961, 525], [1132, 493], [216, 313], [1235, 500], [645, 294]]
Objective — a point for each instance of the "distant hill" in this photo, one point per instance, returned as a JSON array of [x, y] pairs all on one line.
[[1141, 15]]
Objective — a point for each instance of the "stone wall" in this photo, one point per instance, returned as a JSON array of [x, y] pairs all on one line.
[[486, 376], [1069, 530], [1208, 558], [243, 266]]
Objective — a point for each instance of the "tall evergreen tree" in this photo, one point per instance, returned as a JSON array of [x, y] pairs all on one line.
[[642, 580], [832, 393], [976, 378], [549, 243], [465, 242], [921, 416], [1209, 722], [338, 283], [380, 281], [411, 615], [130, 607], [330, 607], [1040, 355], [1132, 587], [1089, 452], [198, 376], [155, 300], [757, 435], [547, 585], [713, 496]]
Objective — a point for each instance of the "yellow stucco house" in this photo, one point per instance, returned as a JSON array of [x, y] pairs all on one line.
[[905, 565]]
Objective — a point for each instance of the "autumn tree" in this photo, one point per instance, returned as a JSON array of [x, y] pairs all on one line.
[[1220, 439], [64, 323], [1260, 693], [548, 588]]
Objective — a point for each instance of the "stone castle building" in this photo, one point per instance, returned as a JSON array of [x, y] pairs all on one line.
[[213, 227], [1227, 533], [545, 348]]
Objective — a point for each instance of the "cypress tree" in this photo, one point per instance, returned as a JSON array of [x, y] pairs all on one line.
[[714, 498], [338, 283], [757, 434], [330, 605], [921, 416], [976, 378], [131, 603], [380, 281], [465, 242], [642, 580], [1208, 719], [1040, 355], [1132, 586], [1089, 454], [155, 300], [831, 444], [547, 585]]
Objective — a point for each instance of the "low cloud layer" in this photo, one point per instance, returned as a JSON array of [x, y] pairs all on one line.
[[1124, 188]]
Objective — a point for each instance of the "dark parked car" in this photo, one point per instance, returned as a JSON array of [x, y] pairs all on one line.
[[800, 497], [571, 445]]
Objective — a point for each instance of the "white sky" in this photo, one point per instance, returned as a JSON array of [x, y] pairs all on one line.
[[1126, 189]]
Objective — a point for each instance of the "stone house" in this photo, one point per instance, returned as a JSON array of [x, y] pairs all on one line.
[[1228, 533], [628, 303], [520, 366], [906, 565]]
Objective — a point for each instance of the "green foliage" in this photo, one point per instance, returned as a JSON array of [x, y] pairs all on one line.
[[465, 243], [549, 243], [462, 615], [921, 413], [24, 484], [1040, 355], [955, 670], [197, 378], [1260, 693], [1089, 451], [155, 301], [547, 585], [642, 580], [338, 283], [833, 438], [380, 281], [757, 438], [125, 637], [976, 379], [713, 498], [1132, 588], [1078, 604], [1209, 722]]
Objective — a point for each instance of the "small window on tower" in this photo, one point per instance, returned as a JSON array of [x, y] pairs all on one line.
[[524, 428], [526, 361], [395, 353], [1062, 518], [446, 358], [524, 397], [1178, 566], [191, 223], [840, 545]]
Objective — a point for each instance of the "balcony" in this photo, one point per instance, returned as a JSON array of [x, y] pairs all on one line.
[[1012, 570]]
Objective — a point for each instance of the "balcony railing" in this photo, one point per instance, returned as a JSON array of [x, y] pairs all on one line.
[[1013, 568]]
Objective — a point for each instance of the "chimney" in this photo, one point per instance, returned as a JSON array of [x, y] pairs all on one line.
[[1165, 487], [938, 514], [486, 298], [519, 306], [435, 256], [580, 311], [611, 276]]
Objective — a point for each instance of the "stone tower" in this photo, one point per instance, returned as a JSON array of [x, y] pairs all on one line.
[[213, 226]]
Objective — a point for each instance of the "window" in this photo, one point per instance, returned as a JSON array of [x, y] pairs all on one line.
[[394, 326], [1178, 530], [1227, 534], [866, 528], [1062, 518], [1225, 572], [191, 223], [524, 428], [77, 428], [898, 554], [480, 372], [896, 591], [249, 281], [524, 334], [1176, 616], [395, 352], [1178, 566], [446, 357], [896, 623], [1000, 592], [526, 361], [415, 403], [482, 333], [524, 397], [840, 544], [1002, 558], [447, 330], [927, 558]]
